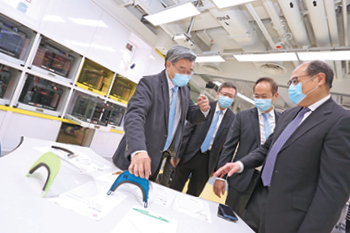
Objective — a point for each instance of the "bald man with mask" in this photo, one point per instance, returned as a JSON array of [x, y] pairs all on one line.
[[305, 182]]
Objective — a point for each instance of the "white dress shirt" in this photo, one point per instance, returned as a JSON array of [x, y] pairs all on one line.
[[271, 120], [221, 116], [312, 107]]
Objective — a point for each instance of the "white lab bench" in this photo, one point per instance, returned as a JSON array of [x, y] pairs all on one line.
[[23, 209]]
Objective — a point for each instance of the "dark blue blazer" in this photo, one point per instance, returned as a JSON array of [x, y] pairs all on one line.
[[245, 133], [194, 137], [310, 183], [146, 119]]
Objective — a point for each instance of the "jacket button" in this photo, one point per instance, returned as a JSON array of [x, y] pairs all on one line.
[[165, 135]]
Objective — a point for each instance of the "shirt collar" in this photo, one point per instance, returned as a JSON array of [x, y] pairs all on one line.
[[272, 112], [218, 108], [170, 83], [314, 106]]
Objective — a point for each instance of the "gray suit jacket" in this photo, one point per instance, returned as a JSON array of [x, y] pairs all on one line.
[[146, 120], [194, 137], [310, 183], [245, 131]]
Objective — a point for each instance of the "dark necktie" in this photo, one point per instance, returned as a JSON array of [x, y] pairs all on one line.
[[276, 147]]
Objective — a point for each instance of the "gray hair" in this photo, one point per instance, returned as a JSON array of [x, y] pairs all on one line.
[[178, 52]]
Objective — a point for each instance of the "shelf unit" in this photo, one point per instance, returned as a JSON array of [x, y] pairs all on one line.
[[43, 79]]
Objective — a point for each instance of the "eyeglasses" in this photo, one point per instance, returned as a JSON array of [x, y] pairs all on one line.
[[263, 96], [182, 70], [227, 95], [295, 80]]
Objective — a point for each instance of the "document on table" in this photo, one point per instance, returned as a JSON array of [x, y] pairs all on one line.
[[90, 200], [141, 220], [163, 196], [81, 161], [192, 206]]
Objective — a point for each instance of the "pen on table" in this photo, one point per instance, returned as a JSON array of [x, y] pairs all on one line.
[[145, 212]]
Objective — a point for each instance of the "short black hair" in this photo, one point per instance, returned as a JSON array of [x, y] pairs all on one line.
[[228, 84], [273, 84], [318, 66]]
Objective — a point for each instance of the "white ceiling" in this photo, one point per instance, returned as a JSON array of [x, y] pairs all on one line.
[[309, 24]]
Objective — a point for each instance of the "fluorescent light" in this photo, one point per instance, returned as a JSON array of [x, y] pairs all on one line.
[[173, 14], [325, 55], [217, 83], [243, 97], [266, 57], [211, 58], [227, 3]]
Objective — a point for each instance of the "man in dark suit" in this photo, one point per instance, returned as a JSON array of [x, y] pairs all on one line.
[[249, 131], [305, 179], [156, 115], [202, 143]]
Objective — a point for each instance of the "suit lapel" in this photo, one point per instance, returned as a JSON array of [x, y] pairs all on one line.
[[183, 104], [315, 118], [165, 96], [254, 120], [227, 118]]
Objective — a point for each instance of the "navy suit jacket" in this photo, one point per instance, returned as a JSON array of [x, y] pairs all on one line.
[[146, 119], [245, 131], [310, 183], [194, 137]]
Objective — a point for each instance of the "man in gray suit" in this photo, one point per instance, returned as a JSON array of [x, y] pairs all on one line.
[[202, 143], [305, 180], [156, 115], [250, 129]]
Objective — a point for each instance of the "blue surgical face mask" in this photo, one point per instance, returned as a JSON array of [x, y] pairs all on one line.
[[181, 80], [295, 92], [225, 101], [263, 104]]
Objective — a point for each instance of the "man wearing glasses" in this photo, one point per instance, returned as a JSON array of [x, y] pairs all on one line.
[[305, 179], [202, 143], [156, 115], [250, 129]]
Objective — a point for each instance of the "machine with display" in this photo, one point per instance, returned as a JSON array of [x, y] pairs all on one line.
[[53, 59], [42, 93], [4, 81], [84, 106], [12, 40], [122, 89], [101, 113], [117, 114]]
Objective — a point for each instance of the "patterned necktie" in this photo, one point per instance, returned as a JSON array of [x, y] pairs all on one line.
[[267, 125], [207, 140], [171, 117], [276, 147]]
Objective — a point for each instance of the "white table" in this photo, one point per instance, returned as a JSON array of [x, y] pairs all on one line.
[[23, 209]]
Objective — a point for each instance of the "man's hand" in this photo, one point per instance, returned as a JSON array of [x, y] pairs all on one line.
[[141, 165], [219, 187], [229, 169], [203, 103]]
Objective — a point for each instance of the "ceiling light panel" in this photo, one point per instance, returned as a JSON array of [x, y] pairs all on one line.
[[214, 58], [266, 57], [173, 14], [325, 55], [227, 3]]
